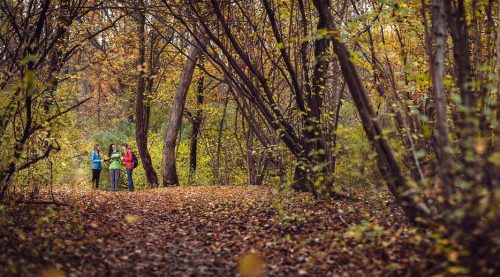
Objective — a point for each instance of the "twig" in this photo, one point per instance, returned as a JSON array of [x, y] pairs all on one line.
[[343, 221], [40, 202], [37, 158]]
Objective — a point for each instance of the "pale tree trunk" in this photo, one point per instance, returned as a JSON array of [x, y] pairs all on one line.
[[141, 109], [169, 171], [438, 74]]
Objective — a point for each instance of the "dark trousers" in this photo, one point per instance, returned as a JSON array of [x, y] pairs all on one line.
[[114, 175], [96, 173], [129, 179]]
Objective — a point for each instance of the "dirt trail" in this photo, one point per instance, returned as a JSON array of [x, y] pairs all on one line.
[[206, 231]]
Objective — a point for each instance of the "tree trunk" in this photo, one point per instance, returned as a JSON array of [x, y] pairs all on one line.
[[464, 73], [141, 109], [318, 180], [219, 138], [335, 128], [169, 170], [457, 25], [497, 131], [197, 120], [99, 92], [251, 159], [438, 74], [388, 166]]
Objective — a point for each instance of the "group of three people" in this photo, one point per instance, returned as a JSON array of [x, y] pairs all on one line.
[[115, 159]]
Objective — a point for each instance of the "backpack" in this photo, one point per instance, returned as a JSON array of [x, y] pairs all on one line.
[[135, 161]]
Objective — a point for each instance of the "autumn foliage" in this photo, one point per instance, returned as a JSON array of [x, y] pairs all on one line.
[[274, 137]]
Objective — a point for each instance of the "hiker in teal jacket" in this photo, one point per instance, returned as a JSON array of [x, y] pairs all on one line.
[[115, 159], [95, 160]]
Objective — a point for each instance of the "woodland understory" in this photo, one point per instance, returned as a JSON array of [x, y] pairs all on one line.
[[273, 137]]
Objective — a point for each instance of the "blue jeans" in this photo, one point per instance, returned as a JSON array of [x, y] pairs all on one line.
[[129, 179]]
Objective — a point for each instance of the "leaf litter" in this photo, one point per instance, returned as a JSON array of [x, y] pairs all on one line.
[[208, 231]]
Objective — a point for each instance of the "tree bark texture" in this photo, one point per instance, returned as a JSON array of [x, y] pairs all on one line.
[[438, 75], [141, 108], [388, 166], [169, 171], [196, 123]]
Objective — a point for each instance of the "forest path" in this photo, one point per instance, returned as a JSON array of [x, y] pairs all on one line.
[[180, 231], [208, 230]]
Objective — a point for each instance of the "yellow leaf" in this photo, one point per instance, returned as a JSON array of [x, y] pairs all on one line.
[[495, 158], [452, 256], [480, 145], [52, 272], [130, 218], [458, 270], [251, 265], [29, 80]]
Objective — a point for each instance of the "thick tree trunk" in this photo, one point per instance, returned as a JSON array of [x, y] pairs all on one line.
[[169, 171], [478, 173], [457, 25], [465, 76], [318, 179], [438, 74], [196, 121], [388, 166], [142, 109]]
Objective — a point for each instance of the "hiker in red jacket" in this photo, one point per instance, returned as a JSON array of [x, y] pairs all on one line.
[[128, 158]]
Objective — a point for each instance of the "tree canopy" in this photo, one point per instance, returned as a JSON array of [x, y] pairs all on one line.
[[387, 107]]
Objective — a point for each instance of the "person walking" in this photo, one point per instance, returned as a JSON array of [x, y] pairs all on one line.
[[115, 159], [128, 158], [96, 165]]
